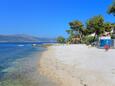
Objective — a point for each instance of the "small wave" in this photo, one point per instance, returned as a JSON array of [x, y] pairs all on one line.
[[20, 45]]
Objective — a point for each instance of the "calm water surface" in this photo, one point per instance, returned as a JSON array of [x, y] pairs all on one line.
[[19, 66]]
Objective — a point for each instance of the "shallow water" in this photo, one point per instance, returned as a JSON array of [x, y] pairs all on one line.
[[19, 66]]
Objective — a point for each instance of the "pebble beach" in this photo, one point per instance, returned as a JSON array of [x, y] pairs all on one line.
[[78, 65]]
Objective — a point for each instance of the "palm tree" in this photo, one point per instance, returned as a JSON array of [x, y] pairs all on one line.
[[111, 9]]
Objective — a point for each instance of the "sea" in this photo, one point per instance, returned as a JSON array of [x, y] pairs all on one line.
[[19, 65]]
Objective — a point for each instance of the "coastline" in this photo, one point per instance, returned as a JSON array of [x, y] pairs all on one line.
[[24, 72], [78, 65], [55, 70]]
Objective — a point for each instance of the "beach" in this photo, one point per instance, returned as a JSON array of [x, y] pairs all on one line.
[[20, 66], [78, 65]]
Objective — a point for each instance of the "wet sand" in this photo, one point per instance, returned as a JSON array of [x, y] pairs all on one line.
[[78, 65]]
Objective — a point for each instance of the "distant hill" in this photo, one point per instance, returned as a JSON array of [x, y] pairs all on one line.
[[23, 38]]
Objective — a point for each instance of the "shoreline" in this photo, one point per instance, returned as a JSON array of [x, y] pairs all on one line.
[[57, 71], [24, 72], [62, 65]]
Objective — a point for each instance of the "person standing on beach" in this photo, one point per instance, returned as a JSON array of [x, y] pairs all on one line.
[[107, 42], [107, 45]]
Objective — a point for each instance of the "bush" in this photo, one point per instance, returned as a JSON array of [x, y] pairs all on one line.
[[113, 36], [61, 39], [88, 40]]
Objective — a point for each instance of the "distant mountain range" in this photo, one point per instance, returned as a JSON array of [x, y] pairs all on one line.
[[24, 38]]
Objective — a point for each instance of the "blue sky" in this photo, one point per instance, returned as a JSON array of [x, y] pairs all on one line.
[[48, 18]]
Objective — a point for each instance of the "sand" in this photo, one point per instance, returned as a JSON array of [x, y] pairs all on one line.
[[78, 65]]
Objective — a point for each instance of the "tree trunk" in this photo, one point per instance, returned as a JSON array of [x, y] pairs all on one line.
[[80, 34], [94, 36]]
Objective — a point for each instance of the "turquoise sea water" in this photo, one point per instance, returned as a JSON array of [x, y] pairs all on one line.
[[19, 65]]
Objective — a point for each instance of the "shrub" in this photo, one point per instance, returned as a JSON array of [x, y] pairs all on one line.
[[88, 40], [113, 36], [61, 39]]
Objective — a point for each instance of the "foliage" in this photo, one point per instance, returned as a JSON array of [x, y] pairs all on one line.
[[95, 25], [88, 40], [86, 32], [71, 33], [69, 40], [113, 36], [111, 9], [76, 25], [76, 30], [61, 39], [107, 26]]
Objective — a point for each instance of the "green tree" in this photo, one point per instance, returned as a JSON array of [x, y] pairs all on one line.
[[60, 39], [76, 28], [111, 9], [108, 27], [86, 32], [88, 39], [71, 35], [95, 25]]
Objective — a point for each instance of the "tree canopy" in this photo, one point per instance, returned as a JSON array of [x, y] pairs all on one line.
[[111, 9], [76, 29], [95, 25], [108, 26], [89, 32]]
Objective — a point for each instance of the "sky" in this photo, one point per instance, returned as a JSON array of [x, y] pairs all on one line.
[[48, 18]]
